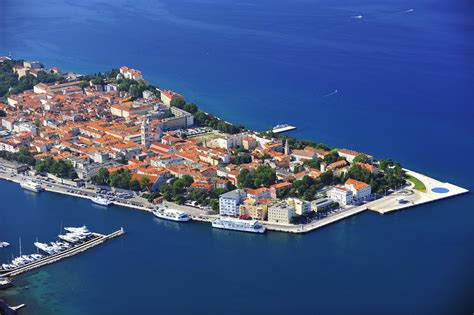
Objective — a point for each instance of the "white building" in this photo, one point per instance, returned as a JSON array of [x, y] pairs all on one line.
[[167, 96], [281, 212], [229, 203], [341, 194], [360, 190], [132, 74], [301, 206]]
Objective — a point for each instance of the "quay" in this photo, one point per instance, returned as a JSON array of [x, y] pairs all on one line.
[[97, 240], [435, 190]]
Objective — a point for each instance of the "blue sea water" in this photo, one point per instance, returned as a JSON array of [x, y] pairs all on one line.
[[404, 73]]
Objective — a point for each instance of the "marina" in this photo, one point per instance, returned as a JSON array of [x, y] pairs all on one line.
[[55, 252]]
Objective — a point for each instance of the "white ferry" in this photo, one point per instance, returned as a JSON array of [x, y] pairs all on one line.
[[238, 225], [171, 214], [32, 186], [282, 128], [101, 201]]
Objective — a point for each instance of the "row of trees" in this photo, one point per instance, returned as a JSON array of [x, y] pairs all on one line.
[[120, 178], [307, 187], [301, 144], [23, 156], [59, 168], [182, 104], [263, 176], [207, 120], [392, 176]]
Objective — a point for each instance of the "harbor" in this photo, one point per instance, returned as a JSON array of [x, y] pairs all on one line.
[[94, 241], [436, 190]]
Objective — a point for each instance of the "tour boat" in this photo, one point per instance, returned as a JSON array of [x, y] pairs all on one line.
[[238, 225], [31, 186], [172, 215], [282, 128], [101, 201]]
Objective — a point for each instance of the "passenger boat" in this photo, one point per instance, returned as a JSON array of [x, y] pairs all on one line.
[[171, 214], [101, 201], [282, 128], [31, 186], [238, 225]]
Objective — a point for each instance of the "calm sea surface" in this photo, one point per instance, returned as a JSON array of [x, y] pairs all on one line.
[[404, 75]]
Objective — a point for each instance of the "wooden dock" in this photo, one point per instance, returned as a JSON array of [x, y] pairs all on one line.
[[97, 240]]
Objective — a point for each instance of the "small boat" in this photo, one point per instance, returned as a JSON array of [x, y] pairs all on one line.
[[5, 283], [4, 244], [172, 215], [103, 201]]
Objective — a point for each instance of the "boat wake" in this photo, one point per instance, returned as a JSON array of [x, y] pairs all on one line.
[[406, 11], [357, 17], [332, 93]]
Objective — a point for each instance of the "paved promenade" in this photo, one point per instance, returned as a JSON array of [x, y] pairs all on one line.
[[405, 198], [412, 197]]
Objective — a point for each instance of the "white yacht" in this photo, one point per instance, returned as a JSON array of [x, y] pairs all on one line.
[[32, 186], [171, 214], [101, 201], [4, 244], [51, 250], [77, 229], [5, 283], [7, 266], [238, 225], [70, 238]]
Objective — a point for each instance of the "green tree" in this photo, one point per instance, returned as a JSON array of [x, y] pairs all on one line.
[[361, 158], [359, 173], [178, 103], [144, 182], [135, 185], [102, 177]]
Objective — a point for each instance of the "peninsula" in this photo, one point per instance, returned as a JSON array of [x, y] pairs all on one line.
[[116, 138]]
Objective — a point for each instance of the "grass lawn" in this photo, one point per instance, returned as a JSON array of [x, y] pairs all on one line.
[[418, 183]]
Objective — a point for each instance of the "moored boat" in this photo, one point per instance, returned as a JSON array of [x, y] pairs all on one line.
[[171, 214], [252, 226], [31, 186], [5, 283], [101, 201]]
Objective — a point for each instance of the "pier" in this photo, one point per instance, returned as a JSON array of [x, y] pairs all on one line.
[[97, 240]]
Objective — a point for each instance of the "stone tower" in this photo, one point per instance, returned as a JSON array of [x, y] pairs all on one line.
[[144, 132]]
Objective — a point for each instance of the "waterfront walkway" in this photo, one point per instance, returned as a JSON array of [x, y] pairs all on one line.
[[409, 197], [402, 199], [97, 240]]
